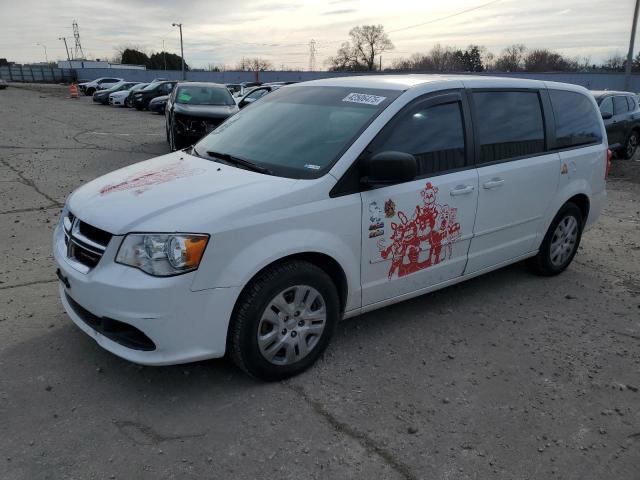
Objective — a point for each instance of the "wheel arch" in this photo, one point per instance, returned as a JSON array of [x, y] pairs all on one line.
[[321, 260], [583, 203]]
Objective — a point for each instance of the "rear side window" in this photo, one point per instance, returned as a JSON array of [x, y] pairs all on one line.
[[433, 134], [510, 125], [577, 122], [632, 103], [620, 105]]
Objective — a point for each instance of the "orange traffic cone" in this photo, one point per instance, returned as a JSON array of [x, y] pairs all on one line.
[[73, 90]]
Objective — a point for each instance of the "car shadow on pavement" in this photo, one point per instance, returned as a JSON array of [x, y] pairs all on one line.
[[75, 357]]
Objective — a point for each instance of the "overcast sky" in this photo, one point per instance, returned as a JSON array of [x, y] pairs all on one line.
[[222, 31]]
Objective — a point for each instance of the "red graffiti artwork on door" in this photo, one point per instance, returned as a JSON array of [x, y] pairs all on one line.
[[424, 240]]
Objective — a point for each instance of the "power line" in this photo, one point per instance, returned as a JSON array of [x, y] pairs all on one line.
[[445, 17]]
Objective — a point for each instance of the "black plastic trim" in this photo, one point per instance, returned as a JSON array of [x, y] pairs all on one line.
[[120, 332]]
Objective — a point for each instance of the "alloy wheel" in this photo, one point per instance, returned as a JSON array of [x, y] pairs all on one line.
[[291, 325], [564, 240]]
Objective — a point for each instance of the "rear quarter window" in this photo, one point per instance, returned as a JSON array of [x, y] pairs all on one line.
[[577, 120]]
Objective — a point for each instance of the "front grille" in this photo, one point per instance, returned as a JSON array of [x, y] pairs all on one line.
[[198, 126], [85, 243], [120, 332]]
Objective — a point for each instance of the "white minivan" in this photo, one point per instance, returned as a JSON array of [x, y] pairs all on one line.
[[324, 200]]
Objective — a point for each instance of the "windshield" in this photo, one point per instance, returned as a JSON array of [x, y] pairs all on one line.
[[298, 132], [203, 95], [151, 86]]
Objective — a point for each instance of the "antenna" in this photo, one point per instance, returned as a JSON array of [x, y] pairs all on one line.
[[78, 47], [312, 55]]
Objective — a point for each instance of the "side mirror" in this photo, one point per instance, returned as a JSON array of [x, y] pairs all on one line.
[[606, 115], [390, 167]]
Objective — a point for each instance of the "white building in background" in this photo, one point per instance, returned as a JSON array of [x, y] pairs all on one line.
[[96, 64]]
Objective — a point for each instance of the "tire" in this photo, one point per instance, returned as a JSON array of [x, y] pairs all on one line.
[[558, 249], [90, 91], [630, 146], [292, 338]]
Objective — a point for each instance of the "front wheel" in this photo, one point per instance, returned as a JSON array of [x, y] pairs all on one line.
[[561, 242], [631, 146], [283, 320]]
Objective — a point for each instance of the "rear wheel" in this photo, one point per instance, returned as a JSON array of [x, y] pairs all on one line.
[[561, 242], [90, 91], [284, 320], [631, 146]]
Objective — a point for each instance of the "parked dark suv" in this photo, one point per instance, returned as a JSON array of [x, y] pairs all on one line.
[[142, 98], [621, 116], [195, 109]]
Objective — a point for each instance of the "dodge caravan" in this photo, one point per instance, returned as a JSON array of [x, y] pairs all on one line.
[[324, 200]]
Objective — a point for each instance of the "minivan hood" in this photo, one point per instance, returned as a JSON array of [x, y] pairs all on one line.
[[174, 192]]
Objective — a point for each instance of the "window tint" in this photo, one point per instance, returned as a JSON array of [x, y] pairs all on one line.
[[620, 105], [432, 134], [257, 93], [577, 122], [510, 125], [606, 106]]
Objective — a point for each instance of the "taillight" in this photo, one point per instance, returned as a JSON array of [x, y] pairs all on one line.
[[608, 165]]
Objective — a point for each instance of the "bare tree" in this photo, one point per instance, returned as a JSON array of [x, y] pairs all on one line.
[[363, 49], [256, 64], [615, 62], [544, 60], [511, 59]]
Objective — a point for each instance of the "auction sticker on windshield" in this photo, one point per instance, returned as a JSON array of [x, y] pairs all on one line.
[[364, 98]]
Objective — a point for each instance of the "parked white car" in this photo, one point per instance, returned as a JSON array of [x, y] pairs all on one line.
[[103, 83], [119, 99], [370, 190]]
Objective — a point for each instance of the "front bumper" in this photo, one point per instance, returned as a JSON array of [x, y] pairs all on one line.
[[183, 325], [117, 101]]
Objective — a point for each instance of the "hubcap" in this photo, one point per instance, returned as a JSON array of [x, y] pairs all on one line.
[[632, 144], [291, 325], [564, 240]]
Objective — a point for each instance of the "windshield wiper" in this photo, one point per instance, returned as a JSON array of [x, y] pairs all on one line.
[[240, 161]]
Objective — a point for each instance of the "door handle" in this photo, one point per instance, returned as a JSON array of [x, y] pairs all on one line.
[[493, 183], [461, 190]]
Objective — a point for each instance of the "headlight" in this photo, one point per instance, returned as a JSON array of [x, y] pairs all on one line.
[[162, 254]]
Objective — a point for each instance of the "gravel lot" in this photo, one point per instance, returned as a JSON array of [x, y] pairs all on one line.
[[507, 376]]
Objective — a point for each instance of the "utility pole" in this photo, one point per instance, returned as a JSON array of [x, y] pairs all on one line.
[[627, 77], [381, 63], [164, 55], [65, 47], [312, 55], [179, 25], [46, 58]]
